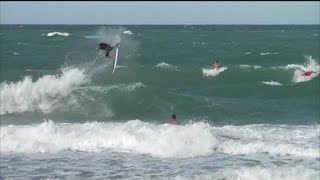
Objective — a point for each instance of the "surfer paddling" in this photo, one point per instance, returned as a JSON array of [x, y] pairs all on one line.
[[173, 120], [107, 47], [216, 65]]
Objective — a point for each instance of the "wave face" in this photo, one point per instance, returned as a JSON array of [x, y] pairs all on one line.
[[41, 95]]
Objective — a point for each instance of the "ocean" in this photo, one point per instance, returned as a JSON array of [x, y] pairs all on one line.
[[65, 115]]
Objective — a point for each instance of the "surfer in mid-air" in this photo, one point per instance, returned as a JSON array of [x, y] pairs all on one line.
[[107, 47]]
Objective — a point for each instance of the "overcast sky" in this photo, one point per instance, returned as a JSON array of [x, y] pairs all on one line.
[[159, 12]]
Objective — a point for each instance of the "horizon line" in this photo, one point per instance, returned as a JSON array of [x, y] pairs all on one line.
[[161, 24]]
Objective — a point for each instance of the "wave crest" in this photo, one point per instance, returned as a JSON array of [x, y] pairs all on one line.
[[41, 95]]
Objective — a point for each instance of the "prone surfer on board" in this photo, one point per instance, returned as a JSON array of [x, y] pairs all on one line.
[[307, 73], [107, 47]]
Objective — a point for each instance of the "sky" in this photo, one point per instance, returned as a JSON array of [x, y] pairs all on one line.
[[159, 12]]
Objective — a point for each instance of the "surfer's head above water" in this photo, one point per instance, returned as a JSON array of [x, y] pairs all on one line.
[[216, 65], [173, 120]]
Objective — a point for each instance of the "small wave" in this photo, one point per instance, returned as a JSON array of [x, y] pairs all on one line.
[[248, 52], [120, 87], [58, 33], [94, 37], [267, 53], [315, 34], [15, 53], [249, 66], [213, 72], [272, 83], [202, 43], [24, 44], [234, 43], [166, 66], [42, 95], [127, 32], [310, 65]]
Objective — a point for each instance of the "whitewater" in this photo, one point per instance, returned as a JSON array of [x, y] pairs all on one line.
[[64, 115]]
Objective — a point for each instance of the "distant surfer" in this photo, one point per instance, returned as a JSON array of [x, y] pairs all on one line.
[[107, 47], [307, 73], [173, 120], [216, 65]]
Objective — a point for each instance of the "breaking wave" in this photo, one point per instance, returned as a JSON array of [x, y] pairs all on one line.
[[40, 95]]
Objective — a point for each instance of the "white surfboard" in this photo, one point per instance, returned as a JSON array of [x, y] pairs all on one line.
[[115, 61], [213, 72]]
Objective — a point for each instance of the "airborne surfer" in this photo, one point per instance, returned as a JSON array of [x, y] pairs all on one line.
[[107, 47]]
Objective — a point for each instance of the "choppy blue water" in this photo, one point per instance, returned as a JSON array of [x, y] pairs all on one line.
[[64, 115]]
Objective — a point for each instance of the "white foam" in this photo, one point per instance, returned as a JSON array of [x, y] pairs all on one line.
[[268, 53], [282, 140], [136, 136], [41, 95], [58, 33], [94, 37], [312, 65], [188, 140], [261, 173], [15, 53], [249, 66], [119, 87], [272, 83], [213, 72], [165, 65], [247, 52], [127, 32]]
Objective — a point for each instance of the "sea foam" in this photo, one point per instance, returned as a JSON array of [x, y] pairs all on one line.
[[41, 95], [312, 65], [189, 140], [165, 65], [272, 83], [213, 72], [58, 33], [259, 173]]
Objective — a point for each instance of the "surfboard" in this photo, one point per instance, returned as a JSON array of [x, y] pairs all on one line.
[[115, 61], [213, 72]]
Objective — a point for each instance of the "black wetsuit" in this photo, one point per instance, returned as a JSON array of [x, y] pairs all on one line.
[[106, 47]]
